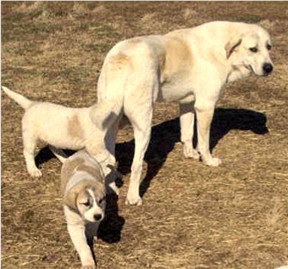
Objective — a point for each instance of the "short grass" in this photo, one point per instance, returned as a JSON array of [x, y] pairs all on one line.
[[193, 216]]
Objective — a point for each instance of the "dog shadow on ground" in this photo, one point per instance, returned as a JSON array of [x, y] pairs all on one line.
[[165, 135], [163, 139], [110, 228]]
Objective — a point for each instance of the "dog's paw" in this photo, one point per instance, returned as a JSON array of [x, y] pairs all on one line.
[[191, 153], [133, 200], [35, 172], [212, 162]]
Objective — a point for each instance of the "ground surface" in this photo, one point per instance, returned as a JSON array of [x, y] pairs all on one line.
[[193, 216]]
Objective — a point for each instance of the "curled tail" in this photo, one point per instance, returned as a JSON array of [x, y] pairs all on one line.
[[105, 113], [18, 98]]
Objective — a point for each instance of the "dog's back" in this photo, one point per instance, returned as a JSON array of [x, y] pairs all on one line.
[[79, 162]]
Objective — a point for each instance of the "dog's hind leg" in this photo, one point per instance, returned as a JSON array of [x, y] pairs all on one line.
[[110, 141], [141, 120], [29, 143], [187, 119]]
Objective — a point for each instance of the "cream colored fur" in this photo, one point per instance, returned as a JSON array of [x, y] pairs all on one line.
[[188, 66], [63, 128]]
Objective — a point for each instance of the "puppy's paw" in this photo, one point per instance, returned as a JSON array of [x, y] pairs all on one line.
[[35, 172], [212, 162], [191, 153], [133, 200]]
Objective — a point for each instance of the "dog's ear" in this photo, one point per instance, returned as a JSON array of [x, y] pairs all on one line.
[[232, 45], [70, 198]]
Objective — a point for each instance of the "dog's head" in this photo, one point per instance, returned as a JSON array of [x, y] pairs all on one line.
[[88, 198], [250, 50]]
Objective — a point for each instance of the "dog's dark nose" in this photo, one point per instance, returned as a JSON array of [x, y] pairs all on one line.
[[267, 68], [97, 217]]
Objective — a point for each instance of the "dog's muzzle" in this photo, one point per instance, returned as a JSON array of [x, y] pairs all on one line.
[[267, 69], [97, 217]]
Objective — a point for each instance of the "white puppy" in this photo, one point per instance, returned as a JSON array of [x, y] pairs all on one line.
[[188, 66], [62, 128], [83, 190]]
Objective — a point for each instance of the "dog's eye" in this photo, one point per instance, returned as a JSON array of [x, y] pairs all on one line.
[[101, 200], [269, 47], [86, 203], [254, 49]]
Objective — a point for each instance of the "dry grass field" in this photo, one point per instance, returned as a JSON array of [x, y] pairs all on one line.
[[193, 217]]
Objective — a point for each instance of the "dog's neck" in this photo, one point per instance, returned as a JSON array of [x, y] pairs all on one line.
[[77, 178]]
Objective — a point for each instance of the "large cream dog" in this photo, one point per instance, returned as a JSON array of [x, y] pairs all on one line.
[[188, 66], [83, 191], [62, 128]]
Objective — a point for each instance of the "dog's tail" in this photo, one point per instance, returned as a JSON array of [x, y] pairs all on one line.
[[18, 98], [105, 113]]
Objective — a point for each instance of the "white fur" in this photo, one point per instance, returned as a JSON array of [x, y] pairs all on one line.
[[188, 66], [76, 229]]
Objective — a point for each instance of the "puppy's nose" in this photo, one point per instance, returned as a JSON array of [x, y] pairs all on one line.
[[97, 217], [267, 68]]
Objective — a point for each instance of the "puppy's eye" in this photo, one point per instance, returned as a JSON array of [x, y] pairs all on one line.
[[101, 200], [254, 49], [269, 47], [86, 203]]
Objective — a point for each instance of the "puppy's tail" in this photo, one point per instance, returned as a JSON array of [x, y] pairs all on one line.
[[18, 98], [105, 113]]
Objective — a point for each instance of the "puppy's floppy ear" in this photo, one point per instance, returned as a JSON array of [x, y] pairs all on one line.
[[70, 198], [232, 45]]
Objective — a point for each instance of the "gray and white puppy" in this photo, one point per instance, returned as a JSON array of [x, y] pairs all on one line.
[[84, 198]]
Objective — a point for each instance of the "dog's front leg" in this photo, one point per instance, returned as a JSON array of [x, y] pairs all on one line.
[[77, 234], [76, 229], [205, 112], [187, 118]]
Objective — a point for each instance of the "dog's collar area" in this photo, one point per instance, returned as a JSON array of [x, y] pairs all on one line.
[[81, 176]]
